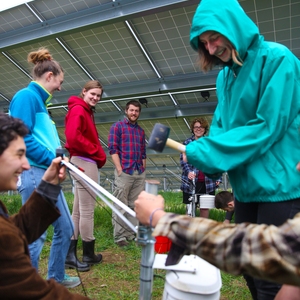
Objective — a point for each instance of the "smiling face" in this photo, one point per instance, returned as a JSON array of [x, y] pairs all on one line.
[[132, 113], [217, 45], [12, 163], [51, 82], [57, 82], [92, 96], [198, 130]]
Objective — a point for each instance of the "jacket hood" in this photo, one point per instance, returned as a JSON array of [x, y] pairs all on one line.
[[75, 100], [229, 19]]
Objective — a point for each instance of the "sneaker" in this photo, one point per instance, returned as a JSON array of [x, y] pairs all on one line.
[[70, 282]]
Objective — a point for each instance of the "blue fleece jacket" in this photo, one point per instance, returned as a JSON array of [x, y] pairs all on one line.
[[255, 130], [29, 105]]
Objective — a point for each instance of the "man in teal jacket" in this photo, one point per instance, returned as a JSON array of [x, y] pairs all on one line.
[[254, 134]]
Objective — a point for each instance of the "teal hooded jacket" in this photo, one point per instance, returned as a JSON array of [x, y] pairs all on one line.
[[254, 134]]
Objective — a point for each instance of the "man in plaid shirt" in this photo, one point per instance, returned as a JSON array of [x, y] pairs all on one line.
[[127, 147]]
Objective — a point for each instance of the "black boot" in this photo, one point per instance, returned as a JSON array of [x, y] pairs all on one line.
[[72, 262], [89, 255]]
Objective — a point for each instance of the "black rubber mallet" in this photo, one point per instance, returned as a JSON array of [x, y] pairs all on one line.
[[159, 138]]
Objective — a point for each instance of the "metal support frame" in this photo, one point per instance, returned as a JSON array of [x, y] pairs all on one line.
[[100, 191], [144, 233], [191, 207], [147, 241]]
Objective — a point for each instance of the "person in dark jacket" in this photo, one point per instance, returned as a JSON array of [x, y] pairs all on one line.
[[82, 142], [18, 278]]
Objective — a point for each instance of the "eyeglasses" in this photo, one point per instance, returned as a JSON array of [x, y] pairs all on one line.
[[199, 127]]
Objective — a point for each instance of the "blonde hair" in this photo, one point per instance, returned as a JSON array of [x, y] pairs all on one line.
[[236, 58], [43, 62]]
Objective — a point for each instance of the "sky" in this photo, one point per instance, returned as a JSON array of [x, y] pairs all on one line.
[[4, 4]]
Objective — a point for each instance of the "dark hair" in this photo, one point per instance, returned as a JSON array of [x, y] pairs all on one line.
[[203, 123], [10, 129], [43, 61], [92, 84], [222, 199], [134, 103]]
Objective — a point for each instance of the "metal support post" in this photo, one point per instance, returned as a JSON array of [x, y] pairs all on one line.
[[194, 199], [147, 241]]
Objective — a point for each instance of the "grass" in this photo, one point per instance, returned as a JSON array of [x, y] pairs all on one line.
[[117, 277]]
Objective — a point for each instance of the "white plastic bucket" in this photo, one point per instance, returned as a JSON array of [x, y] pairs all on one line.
[[202, 284], [207, 201]]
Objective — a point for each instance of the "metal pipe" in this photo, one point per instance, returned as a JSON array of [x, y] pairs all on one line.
[[194, 198], [147, 241], [225, 181], [97, 188]]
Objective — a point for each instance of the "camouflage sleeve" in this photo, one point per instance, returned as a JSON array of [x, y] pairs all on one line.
[[267, 252]]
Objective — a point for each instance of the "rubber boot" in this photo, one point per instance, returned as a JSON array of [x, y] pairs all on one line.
[[89, 255], [72, 262]]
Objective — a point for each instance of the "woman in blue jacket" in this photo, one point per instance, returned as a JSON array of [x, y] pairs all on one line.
[[254, 134], [30, 105]]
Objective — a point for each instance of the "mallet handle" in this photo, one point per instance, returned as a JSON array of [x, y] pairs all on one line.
[[175, 145]]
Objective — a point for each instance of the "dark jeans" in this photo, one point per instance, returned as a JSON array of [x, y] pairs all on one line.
[[63, 227], [275, 213]]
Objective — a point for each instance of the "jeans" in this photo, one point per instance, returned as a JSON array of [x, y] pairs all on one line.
[[63, 227]]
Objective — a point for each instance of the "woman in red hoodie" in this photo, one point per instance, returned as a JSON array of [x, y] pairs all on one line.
[[85, 150]]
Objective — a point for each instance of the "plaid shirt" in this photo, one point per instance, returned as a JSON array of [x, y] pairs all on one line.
[[128, 141], [267, 252], [186, 184]]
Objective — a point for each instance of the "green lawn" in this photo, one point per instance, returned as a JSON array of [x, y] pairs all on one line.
[[117, 277]]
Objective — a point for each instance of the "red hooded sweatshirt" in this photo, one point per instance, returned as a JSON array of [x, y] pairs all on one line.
[[81, 133]]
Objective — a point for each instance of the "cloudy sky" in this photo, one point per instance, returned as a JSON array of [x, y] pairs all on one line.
[[4, 4]]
